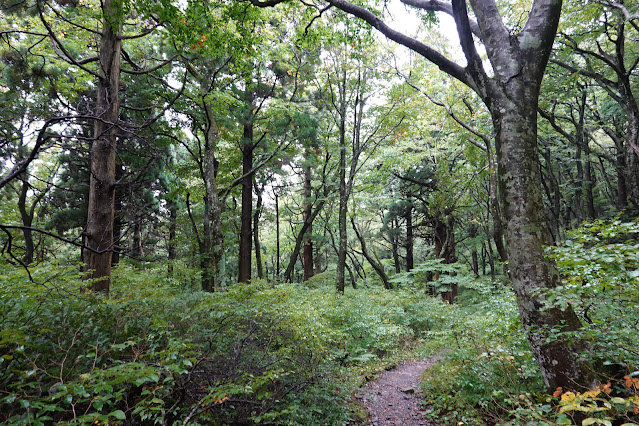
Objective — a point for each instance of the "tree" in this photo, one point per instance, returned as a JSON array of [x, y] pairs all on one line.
[[518, 59], [599, 49]]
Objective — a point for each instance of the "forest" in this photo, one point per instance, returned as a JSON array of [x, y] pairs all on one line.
[[242, 211]]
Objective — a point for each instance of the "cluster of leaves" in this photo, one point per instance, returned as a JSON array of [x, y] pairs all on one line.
[[154, 352], [600, 267], [490, 375], [598, 404], [487, 371]]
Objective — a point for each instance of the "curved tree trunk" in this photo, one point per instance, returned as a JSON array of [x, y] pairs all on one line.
[[377, 266]]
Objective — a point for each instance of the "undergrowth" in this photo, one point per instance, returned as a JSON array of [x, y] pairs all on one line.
[[153, 352]]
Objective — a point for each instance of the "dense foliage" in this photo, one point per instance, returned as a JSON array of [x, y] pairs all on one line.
[[236, 212]]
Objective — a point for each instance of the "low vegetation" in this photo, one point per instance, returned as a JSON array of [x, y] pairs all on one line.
[[156, 351]]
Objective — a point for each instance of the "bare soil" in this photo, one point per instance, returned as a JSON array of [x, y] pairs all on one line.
[[394, 397]]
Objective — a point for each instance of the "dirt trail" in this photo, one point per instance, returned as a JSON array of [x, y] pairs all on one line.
[[393, 399]]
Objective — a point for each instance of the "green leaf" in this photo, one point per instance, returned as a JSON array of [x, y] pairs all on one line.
[[118, 414], [588, 421]]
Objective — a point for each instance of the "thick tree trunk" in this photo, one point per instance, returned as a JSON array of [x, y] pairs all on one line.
[[99, 229], [307, 254], [515, 126], [244, 267]]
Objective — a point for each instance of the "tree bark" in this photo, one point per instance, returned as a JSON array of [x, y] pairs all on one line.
[[409, 238], [377, 266], [394, 229], [27, 222], [99, 229], [256, 234], [171, 246], [343, 196], [244, 267], [277, 236], [213, 238], [307, 254]]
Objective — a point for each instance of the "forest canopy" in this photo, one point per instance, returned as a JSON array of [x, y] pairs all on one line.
[[234, 212]]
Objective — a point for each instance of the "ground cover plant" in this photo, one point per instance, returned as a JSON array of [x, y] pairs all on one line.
[[153, 352]]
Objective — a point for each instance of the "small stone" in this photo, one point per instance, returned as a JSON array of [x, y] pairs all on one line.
[[408, 390]]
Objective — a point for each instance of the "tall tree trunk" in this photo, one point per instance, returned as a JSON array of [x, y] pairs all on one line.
[[622, 190], [99, 229], [301, 237], [213, 238], [27, 221], [118, 214], [495, 205], [409, 238], [256, 234], [526, 234], [343, 196], [277, 236], [307, 254], [171, 246], [631, 158], [244, 267], [394, 229], [444, 236], [589, 184]]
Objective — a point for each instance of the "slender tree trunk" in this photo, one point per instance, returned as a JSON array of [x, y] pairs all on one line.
[[377, 266], [622, 190], [394, 229], [99, 229], [301, 236], [409, 239], [171, 246], [118, 214], [256, 234], [631, 158], [589, 184], [138, 249], [277, 236], [495, 206], [343, 196], [244, 267], [27, 222], [307, 254]]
